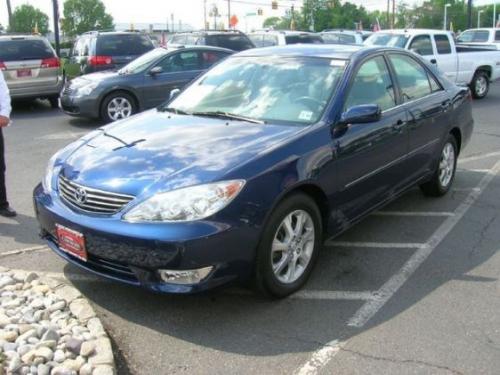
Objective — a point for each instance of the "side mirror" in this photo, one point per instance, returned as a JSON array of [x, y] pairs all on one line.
[[156, 70], [174, 93], [361, 114]]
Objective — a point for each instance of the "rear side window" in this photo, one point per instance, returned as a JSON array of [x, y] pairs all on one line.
[[209, 58], [12, 50], [347, 39], [422, 45], [123, 45], [309, 39], [497, 36], [412, 77], [257, 39], [236, 42], [442, 44], [474, 36], [372, 85]]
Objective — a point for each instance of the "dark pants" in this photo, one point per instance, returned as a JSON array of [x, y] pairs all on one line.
[[3, 190]]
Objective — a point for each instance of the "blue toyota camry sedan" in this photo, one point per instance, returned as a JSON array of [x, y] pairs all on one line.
[[243, 174]]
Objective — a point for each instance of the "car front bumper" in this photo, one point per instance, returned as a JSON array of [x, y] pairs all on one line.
[[81, 106], [132, 253]]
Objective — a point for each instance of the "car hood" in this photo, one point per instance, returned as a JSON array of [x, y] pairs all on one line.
[[94, 77], [161, 151]]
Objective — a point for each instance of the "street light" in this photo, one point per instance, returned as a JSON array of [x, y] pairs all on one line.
[[446, 6], [495, 14], [479, 18]]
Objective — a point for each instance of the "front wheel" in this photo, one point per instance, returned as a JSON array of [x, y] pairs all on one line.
[[445, 174], [289, 246], [117, 106], [480, 85]]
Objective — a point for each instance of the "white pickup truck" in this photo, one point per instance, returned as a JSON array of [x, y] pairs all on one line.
[[474, 66]]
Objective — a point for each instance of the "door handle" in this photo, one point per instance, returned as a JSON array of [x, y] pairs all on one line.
[[434, 61], [446, 104], [398, 125]]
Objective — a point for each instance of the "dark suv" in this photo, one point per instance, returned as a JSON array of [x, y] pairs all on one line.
[[95, 51], [230, 39]]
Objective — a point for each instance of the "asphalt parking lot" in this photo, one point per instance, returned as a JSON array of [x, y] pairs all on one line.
[[412, 289]]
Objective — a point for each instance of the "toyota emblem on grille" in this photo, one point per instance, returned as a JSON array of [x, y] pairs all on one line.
[[80, 195]]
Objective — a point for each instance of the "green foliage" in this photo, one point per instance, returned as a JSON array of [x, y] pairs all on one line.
[[85, 15], [26, 17]]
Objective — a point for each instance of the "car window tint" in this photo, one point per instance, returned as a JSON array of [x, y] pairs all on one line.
[[180, 62], [497, 36], [422, 45], [25, 49], [347, 39], [303, 38], [236, 42], [209, 58], [257, 39], [372, 84], [474, 36], [412, 77], [123, 45], [331, 38], [270, 40], [191, 39], [442, 44], [435, 86]]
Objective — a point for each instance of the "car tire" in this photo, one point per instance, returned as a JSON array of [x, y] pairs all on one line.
[[123, 102], [443, 178], [480, 85], [54, 101], [274, 276]]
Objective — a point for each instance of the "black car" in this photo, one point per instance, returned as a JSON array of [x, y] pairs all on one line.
[[97, 51], [142, 84], [232, 39]]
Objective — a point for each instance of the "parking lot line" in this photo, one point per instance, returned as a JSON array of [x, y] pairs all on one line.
[[369, 309], [474, 170], [377, 245], [23, 251], [333, 295], [479, 157], [413, 213], [476, 189], [321, 357]]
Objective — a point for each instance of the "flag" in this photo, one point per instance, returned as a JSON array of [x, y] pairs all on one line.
[[376, 26]]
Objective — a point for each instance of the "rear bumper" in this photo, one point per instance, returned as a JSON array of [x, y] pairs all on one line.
[[133, 253], [28, 90]]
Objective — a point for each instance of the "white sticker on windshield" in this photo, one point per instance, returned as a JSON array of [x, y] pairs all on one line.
[[305, 115]]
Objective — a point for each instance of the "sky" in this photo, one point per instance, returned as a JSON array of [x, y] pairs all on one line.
[[189, 11]]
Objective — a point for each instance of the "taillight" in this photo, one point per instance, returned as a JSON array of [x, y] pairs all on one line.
[[52, 62], [2, 66], [100, 60]]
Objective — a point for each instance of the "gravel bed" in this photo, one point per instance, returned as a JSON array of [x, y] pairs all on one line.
[[48, 328]]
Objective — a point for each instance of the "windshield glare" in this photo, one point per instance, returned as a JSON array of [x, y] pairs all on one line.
[[270, 89], [142, 62], [388, 40]]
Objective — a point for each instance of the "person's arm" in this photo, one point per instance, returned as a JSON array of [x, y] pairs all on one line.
[[5, 107]]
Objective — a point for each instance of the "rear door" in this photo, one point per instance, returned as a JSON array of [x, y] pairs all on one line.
[[429, 111], [371, 157], [27, 64], [446, 60]]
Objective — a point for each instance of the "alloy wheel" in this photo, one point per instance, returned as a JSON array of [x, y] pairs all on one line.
[[481, 85], [447, 165], [293, 246], [119, 108]]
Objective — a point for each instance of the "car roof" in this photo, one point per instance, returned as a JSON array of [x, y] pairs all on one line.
[[175, 47], [210, 32], [284, 32], [411, 32], [350, 32], [333, 51], [21, 37]]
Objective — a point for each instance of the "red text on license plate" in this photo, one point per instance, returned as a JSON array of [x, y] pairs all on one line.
[[24, 73], [71, 242]]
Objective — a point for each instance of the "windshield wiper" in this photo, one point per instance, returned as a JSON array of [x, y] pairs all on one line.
[[227, 115], [173, 110]]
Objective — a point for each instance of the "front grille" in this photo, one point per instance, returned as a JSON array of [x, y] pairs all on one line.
[[91, 200]]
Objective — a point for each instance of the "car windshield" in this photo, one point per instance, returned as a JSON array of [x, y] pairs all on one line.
[[303, 38], [388, 40], [25, 49], [123, 45], [473, 36], [285, 90], [142, 62], [235, 42]]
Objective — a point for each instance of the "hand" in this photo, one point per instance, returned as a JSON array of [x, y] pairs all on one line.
[[4, 121]]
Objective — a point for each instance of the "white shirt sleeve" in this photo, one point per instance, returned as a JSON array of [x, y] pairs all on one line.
[[5, 107]]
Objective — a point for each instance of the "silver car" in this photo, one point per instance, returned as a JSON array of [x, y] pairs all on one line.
[[31, 67]]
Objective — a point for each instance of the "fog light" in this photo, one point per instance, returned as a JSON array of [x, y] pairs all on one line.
[[185, 276]]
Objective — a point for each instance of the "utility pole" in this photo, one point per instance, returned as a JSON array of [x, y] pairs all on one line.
[[388, 11], [205, 14], [172, 21], [56, 27], [495, 14], [9, 12], [228, 14], [469, 14], [393, 14]]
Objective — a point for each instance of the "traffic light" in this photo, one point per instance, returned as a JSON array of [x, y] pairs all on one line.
[[260, 12], [274, 5]]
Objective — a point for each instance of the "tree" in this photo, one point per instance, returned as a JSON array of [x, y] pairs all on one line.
[[26, 18], [85, 15]]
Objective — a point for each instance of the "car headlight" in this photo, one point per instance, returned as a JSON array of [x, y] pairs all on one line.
[[186, 204], [86, 90], [49, 173]]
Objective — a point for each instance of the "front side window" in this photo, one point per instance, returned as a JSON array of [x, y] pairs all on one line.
[[442, 44], [286, 90], [372, 84], [209, 58], [142, 62], [412, 77], [422, 45], [180, 62]]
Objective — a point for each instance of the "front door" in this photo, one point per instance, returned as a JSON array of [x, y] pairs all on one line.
[[371, 156]]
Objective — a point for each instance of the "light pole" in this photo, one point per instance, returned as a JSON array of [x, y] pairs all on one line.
[[495, 14], [479, 18], [55, 9], [205, 14], [445, 25]]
